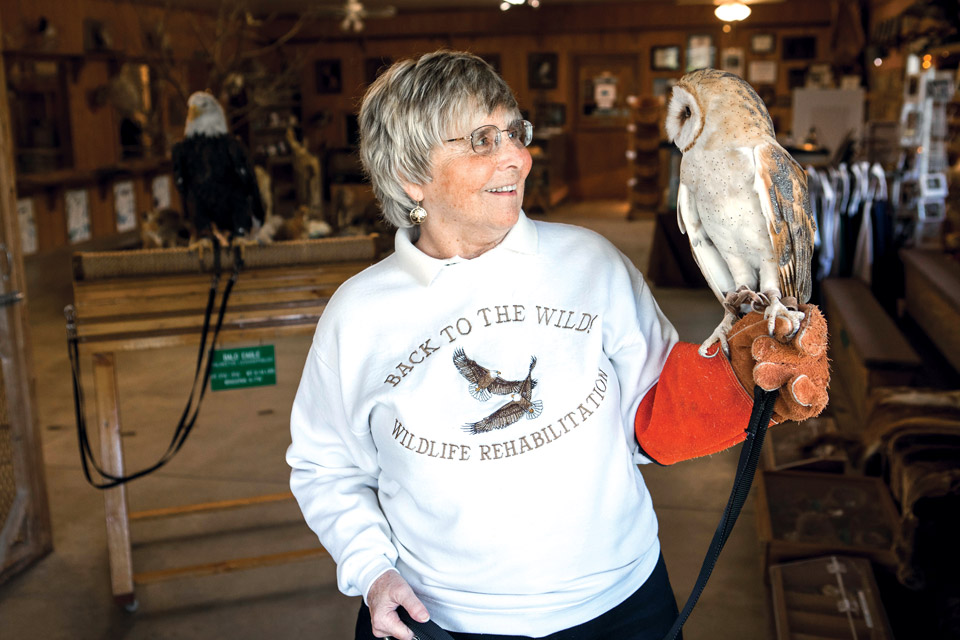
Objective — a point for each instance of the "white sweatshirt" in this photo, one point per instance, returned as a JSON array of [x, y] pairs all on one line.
[[510, 508]]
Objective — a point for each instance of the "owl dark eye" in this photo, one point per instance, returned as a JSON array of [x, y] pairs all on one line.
[[685, 115]]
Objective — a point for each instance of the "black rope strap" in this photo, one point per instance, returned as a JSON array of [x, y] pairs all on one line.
[[746, 468], [187, 421], [428, 630]]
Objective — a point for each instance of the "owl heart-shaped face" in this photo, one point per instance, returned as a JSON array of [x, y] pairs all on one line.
[[684, 118]]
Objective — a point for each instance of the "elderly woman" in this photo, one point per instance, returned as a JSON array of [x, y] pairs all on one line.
[[473, 408]]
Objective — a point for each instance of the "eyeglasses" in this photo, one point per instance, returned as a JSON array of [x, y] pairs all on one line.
[[485, 140]]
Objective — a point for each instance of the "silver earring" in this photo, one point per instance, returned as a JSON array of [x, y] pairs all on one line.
[[418, 214]]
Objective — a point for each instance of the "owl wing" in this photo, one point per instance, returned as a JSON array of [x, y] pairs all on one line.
[[781, 186], [468, 368], [705, 253]]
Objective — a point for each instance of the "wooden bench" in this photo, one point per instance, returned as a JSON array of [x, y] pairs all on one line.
[[932, 287], [151, 299], [866, 347]]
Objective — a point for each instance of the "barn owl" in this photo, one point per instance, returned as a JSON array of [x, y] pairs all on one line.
[[742, 200]]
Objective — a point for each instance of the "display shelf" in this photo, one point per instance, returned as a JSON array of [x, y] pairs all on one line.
[[29, 183], [643, 157], [803, 514], [828, 597], [270, 147], [546, 185], [805, 446]]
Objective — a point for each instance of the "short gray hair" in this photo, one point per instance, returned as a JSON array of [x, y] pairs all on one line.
[[411, 108]]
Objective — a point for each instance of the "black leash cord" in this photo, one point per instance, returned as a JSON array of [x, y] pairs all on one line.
[[746, 468], [185, 425], [428, 630]]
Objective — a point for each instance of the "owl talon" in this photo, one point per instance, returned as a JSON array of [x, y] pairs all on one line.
[[719, 335], [778, 309]]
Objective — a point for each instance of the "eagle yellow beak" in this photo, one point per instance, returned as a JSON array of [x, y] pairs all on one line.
[[192, 112]]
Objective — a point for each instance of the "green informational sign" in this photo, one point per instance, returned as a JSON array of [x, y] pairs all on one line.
[[244, 367]]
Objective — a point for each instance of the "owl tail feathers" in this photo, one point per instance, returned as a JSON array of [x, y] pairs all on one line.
[[534, 410], [697, 408], [480, 394]]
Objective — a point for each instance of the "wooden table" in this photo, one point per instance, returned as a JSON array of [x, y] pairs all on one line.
[[932, 288], [153, 299], [867, 348]]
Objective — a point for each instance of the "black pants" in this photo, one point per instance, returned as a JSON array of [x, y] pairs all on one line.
[[646, 615]]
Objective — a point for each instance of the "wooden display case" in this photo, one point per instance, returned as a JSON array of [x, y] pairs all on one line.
[[546, 185], [828, 597], [867, 348], [932, 286], [804, 446], [643, 155], [802, 514], [40, 123]]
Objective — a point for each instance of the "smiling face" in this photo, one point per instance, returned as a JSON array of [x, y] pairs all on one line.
[[473, 200]]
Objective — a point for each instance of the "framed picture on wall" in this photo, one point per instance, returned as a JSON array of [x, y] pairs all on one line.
[[800, 48], [492, 59], [373, 67], [762, 72], [327, 76], [662, 86], [550, 114], [763, 43], [731, 60], [542, 70], [797, 78], [768, 94], [665, 58], [699, 52], [603, 84]]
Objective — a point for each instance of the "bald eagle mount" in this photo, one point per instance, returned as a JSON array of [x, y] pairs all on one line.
[[760, 416], [189, 416]]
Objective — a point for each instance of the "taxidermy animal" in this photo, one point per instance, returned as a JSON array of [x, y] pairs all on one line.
[[742, 200], [164, 228], [265, 185], [302, 225], [306, 169], [214, 175]]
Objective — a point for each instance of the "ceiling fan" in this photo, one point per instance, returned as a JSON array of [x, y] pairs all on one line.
[[353, 13]]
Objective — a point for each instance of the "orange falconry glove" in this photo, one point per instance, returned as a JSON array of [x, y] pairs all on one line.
[[796, 365], [701, 405]]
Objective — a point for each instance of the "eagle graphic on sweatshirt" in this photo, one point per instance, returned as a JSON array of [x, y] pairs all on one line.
[[521, 405], [483, 381]]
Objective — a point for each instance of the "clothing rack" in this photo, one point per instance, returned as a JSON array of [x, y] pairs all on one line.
[[858, 234]]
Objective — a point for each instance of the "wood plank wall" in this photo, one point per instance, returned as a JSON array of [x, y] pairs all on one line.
[[614, 29], [597, 167], [93, 129]]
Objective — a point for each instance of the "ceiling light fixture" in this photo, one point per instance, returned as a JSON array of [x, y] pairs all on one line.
[[732, 11], [506, 4]]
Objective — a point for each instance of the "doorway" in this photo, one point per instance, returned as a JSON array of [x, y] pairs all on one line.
[[601, 84]]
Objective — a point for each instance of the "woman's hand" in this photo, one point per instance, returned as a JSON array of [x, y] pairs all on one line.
[[797, 364], [388, 592]]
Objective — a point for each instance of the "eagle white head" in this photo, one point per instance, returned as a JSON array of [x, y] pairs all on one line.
[[205, 116]]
